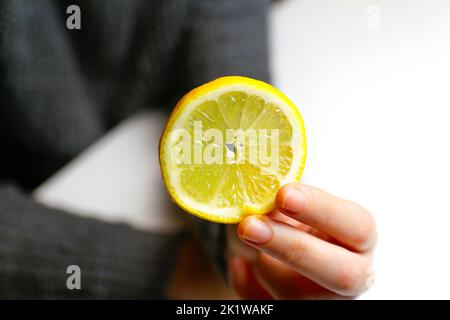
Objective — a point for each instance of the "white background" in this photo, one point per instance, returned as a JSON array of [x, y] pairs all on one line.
[[375, 96]]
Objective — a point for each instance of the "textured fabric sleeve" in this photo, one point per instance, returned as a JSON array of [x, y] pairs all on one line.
[[226, 37], [37, 244]]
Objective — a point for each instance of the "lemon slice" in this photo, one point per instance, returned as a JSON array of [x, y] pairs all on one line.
[[228, 146]]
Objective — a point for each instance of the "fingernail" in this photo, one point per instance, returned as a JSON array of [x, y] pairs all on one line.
[[294, 201], [256, 231]]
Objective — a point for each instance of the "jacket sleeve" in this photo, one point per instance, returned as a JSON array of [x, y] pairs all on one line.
[[38, 244]]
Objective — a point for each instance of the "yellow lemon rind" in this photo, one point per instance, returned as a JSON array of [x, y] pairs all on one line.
[[199, 93]]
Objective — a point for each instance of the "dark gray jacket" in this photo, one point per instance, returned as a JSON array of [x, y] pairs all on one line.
[[62, 89]]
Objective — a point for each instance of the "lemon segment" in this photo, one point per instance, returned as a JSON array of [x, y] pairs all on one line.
[[228, 146]]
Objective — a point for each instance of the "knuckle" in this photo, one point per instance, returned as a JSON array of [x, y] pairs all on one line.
[[352, 280], [295, 250], [364, 235]]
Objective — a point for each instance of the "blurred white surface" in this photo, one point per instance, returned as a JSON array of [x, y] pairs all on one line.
[[372, 79], [117, 179]]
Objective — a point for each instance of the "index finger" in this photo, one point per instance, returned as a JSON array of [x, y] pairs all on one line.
[[344, 220]]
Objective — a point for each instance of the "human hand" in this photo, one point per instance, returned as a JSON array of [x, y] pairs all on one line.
[[313, 245]]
